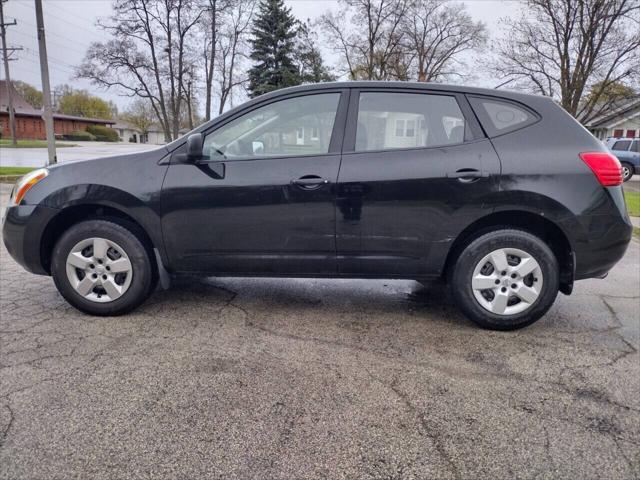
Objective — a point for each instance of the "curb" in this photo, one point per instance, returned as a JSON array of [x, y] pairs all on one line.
[[9, 178]]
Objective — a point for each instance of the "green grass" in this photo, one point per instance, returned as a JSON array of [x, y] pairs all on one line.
[[6, 143], [633, 203], [14, 170]]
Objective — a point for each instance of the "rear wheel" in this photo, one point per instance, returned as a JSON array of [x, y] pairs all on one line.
[[505, 279], [627, 171], [101, 268]]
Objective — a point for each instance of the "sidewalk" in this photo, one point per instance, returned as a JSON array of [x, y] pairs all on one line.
[[37, 157]]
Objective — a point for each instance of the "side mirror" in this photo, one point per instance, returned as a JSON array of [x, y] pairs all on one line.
[[194, 147]]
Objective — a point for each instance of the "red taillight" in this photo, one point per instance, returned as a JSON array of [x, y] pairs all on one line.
[[605, 166]]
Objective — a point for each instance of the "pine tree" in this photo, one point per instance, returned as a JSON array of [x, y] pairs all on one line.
[[273, 49]]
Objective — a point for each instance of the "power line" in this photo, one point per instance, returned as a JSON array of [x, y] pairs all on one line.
[[33, 37], [50, 14]]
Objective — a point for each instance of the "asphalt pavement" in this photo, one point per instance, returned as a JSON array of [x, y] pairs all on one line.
[[274, 378]]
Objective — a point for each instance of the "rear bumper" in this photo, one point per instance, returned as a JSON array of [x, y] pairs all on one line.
[[608, 239], [22, 231]]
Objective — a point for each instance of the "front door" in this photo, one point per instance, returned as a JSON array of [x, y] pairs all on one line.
[[415, 171], [262, 200]]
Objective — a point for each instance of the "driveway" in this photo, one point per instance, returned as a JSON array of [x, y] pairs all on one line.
[[263, 378], [38, 157]]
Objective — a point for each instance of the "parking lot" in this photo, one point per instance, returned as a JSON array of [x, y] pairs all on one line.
[[266, 378]]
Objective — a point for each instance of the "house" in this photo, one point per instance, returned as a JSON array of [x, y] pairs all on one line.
[[29, 122], [127, 132], [154, 134], [621, 121]]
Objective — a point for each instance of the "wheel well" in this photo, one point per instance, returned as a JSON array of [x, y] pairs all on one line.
[[537, 225], [79, 213]]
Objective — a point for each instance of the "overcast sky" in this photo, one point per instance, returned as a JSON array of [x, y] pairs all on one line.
[[70, 28]]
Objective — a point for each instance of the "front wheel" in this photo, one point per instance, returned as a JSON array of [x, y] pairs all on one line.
[[627, 172], [505, 280], [102, 268]]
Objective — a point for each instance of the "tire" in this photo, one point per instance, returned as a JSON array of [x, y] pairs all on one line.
[[476, 262], [76, 261], [627, 171]]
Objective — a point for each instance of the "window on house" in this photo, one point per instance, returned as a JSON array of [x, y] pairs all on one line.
[[631, 134], [618, 133], [399, 128], [411, 129]]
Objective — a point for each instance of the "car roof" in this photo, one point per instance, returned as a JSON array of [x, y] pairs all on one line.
[[509, 94]]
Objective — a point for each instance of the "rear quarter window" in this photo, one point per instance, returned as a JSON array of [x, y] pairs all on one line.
[[501, 116]]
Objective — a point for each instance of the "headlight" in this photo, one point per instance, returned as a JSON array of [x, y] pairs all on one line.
[[25, 183]]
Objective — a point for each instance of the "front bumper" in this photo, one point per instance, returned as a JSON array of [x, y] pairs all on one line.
[[22, 232]]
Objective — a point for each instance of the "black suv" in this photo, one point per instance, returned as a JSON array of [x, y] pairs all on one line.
[[503, 195]]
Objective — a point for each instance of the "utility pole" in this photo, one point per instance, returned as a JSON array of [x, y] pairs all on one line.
[[9, 85], [46, 88]]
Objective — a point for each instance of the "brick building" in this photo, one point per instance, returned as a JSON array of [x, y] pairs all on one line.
[[29, 122]]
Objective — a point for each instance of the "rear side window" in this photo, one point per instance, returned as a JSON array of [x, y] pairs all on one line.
[[621, 145], [389, 121], [634, 147], [501, 116]]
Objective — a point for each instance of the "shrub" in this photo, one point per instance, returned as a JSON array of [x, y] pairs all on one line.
[[103, 134], [80, 135]]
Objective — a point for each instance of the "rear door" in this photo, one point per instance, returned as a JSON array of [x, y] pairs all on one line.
[[416, 169]]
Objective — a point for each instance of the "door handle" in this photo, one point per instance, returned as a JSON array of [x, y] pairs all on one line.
[[310, 182], [467, 175]]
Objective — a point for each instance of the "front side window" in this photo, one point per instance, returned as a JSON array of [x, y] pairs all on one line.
[[290, 127], [621, 145], [388, 121]]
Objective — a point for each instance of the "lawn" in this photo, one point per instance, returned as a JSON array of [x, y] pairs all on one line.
[[633, 203], [6, 143], [14, 170]]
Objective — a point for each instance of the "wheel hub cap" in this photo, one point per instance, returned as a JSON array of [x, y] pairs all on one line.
[[99, 270], [507, 281]]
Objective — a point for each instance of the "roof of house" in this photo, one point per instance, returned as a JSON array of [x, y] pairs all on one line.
[[122, 125], [22, 107], [624, 111]]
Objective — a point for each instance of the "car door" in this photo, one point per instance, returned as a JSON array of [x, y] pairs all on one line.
[[262, 199], [416, 169]]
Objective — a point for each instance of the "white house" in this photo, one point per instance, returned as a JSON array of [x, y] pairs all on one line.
[[623, 121], [127, 132]]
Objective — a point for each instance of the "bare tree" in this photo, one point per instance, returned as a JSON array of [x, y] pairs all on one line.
[[210, 25], [567, 49], [146, 56], [367, 34], [435, 34], [232, 48], [140, 115], [308, 56]]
